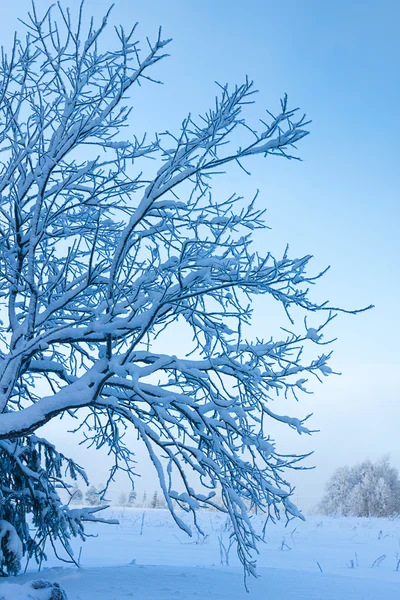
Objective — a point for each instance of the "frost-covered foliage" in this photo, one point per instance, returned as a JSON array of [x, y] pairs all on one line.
[[10, 549], [31, 470], [103, 252], [365, 490]]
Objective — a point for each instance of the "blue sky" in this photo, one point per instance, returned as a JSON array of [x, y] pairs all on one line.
[[339, 62]]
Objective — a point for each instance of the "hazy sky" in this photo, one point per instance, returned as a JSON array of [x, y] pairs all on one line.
[[338, 61]]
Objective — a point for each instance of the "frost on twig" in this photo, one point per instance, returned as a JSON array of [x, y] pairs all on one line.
[[100, 255]]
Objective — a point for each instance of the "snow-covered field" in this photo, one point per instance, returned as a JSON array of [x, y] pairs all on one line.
[[147, 557]]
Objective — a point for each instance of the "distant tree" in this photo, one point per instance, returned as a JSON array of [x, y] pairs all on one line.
[[154, 502], [144, 500], [76, 495], [123, 499], [92, 496], [365, 490], [161, 503], [102, 252], [132, 498]]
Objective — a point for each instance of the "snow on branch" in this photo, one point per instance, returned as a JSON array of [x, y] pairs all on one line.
[[101, 257]]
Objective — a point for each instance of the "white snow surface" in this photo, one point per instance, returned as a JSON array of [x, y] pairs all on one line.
[[164, 564]]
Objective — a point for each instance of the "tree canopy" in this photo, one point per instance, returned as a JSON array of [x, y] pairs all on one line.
[[101, 255]]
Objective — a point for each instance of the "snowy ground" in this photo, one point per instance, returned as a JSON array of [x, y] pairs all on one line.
[[162, 563]]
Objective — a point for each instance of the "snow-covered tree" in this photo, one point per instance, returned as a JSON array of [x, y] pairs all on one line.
[[92, 497], [123, 499], [132, 498], [10, 549], [103, 252], [76, 495], [161, 502], [154, 501], [365, 490]]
